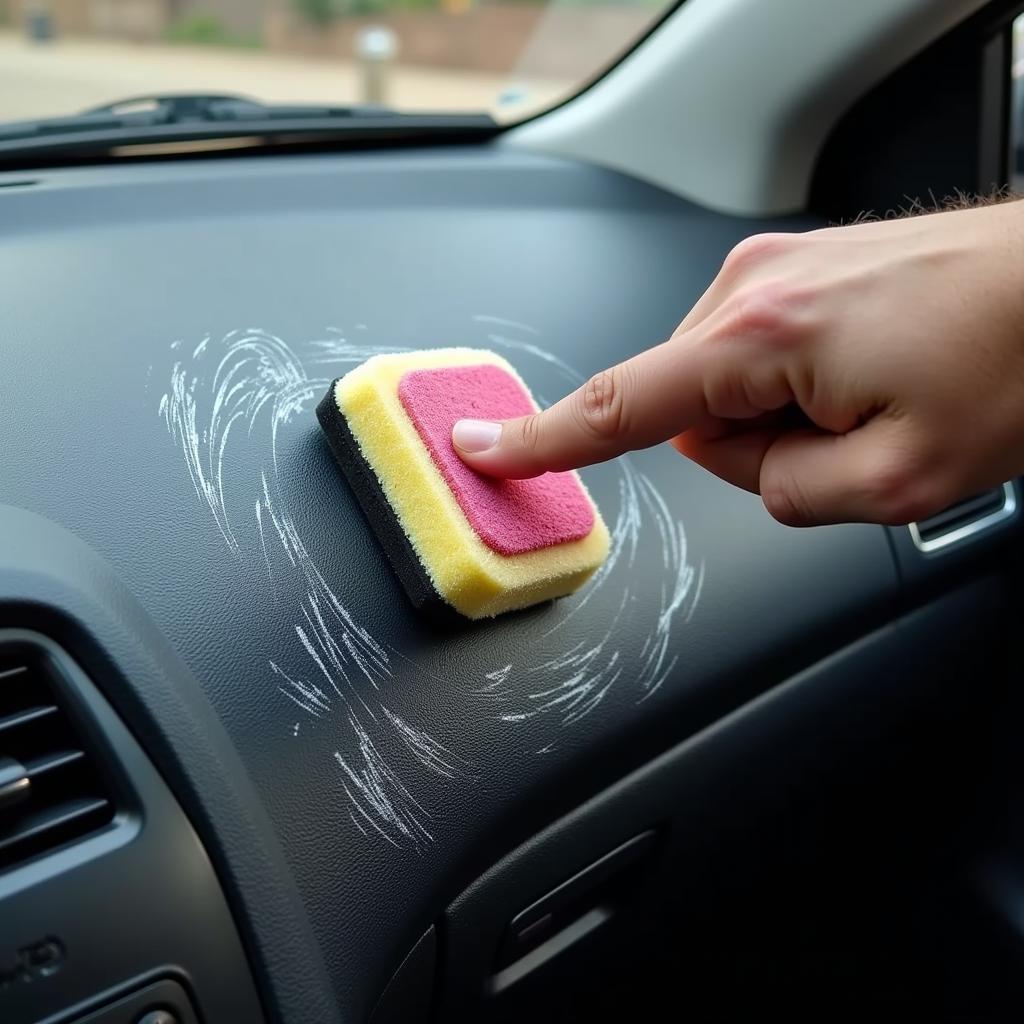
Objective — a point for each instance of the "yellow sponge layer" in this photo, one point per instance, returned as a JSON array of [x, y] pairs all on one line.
[[467, 574]]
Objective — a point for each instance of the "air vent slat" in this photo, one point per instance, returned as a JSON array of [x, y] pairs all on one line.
[[20, 718], [55, 793], [32, 826], [50, 763]]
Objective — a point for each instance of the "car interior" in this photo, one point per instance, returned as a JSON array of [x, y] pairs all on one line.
[[748, 771]]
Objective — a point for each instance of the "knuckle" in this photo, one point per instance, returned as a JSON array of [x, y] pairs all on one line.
[[754, 250], [900, 487], [770, 312], [530, 432], [600, 407]]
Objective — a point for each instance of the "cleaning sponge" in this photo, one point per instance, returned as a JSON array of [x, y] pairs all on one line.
[[479, 545]]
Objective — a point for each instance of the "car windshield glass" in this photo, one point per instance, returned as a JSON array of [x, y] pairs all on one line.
[[509, 58]]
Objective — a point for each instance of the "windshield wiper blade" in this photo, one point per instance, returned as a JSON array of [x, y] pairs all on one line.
[[185, 107], [193, 117], [199, 108]]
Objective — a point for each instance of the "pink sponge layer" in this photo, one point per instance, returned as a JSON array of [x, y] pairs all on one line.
[[510, 516]]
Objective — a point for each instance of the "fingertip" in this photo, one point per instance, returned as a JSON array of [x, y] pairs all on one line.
[[489, 447], [472, 437]]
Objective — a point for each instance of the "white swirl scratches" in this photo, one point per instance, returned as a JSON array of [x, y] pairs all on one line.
[[675, 594], [307, 695], [338, 349], [580, 679], [259, 382], [180, 412], [427, 750], [379, 796], [591, 674], [497, 678]]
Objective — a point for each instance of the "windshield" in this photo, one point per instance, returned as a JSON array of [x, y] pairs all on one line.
[[509, 58]]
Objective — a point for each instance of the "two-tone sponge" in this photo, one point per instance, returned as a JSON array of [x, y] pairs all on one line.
[[482, 546]]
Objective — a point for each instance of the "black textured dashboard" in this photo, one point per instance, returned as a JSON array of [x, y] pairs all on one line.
[[166, 334]]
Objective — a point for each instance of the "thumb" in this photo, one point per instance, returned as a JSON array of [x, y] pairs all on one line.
[[869, 475], [643, 401]]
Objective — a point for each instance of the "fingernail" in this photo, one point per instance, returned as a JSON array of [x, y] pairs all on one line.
[[476, 435]]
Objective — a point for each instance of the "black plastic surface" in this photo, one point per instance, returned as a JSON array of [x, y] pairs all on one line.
[[737, 786], [217, 572], [121, 902]]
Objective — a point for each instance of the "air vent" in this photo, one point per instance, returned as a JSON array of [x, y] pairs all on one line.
[[50, 790], [965, 519]]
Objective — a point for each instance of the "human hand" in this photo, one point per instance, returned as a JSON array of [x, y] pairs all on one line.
[[868, 373]]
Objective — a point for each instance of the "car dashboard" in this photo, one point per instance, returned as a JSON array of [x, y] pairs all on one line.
[[322, 807]]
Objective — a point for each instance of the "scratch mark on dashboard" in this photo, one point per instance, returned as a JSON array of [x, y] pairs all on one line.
[[497, 678], [427, 750], [500, 321], [379, 796], [179, 410], [307, 695], [263, 546], [696, 593]]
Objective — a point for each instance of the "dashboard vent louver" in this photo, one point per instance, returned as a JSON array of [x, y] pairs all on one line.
[[965, 519], [50, 790]]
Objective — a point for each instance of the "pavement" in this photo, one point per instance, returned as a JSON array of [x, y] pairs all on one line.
[[66, 76]]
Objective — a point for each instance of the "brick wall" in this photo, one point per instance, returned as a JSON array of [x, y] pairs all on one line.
[[501, 38], [121, 19]]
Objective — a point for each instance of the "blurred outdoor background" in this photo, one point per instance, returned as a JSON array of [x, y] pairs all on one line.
[[509, 57]]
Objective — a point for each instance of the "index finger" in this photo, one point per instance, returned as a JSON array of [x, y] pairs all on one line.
[[638, 403]]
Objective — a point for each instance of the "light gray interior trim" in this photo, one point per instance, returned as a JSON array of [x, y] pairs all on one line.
[[730, 101]]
